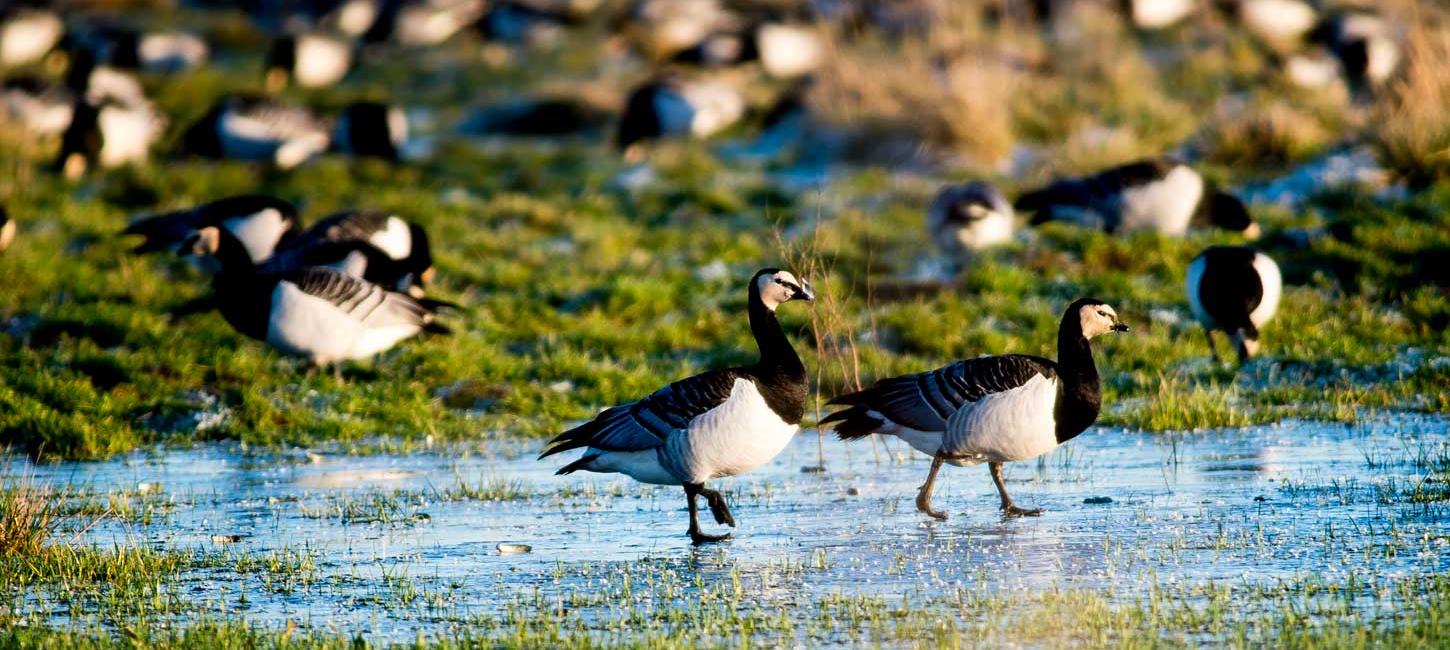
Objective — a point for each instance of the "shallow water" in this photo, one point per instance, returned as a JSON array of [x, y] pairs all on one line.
[[1248, 505]]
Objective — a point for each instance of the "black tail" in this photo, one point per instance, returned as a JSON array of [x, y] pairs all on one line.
[[580, 436], [434, 327], [434, 304], [856, 422]]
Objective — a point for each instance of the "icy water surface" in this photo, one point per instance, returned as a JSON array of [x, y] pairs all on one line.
[[400, 547]]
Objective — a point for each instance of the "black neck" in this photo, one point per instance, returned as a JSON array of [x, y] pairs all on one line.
[[241, 297], [1080, 397], [779, 373]]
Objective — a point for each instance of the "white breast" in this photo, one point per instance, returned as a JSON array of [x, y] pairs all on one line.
[[1277, 20], [258, 232], [1158, 14], [716, 105], [787, 51], [735, 437], [1166, 205], [1273, 286], [1008, 426]]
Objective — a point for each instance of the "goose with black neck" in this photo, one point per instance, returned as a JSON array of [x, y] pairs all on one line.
[[995, 409], [715, 424]]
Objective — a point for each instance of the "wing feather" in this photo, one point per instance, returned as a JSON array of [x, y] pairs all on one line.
[[925, 401], [646, 424]]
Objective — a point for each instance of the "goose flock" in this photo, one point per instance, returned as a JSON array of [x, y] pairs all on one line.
[[355, 284]]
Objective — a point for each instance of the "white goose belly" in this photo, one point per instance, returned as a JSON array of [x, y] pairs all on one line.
[[926, 442], [1012, 425], [307, 326], [737, 436], [1165, 206]]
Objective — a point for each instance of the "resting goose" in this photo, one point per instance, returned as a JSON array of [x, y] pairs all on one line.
[[671, 106], [308, 59], [714, 424], [255, 129], [399, 240], [7, 230], [319, 314], [968, 218], [27, 35], [1235, 290], [994, 409], [371, 129], [108, 135], [1158, 194], [259, 223], [1367, 46]]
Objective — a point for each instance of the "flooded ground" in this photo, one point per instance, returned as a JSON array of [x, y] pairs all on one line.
[[398, 547]]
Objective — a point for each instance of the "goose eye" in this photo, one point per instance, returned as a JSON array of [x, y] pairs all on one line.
[[1103, 314]]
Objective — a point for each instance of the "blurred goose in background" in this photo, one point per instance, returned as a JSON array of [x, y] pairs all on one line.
[[1235, 290], [97, 83], [1158, 14], [352, 18], [256, 129], [1280, 23], [522, 23], [996, 409], [7, 229], [319, 314], [558, 116], [38, 107], [126, 47], [404, 242], [664, 28], [258, 222], [671, 106], [1366, 45], [371, 129], [1161, 195], [784, 51], [715, 424], [28, 34], [310, 59], [420, 23], [108, 135], [968, 218]]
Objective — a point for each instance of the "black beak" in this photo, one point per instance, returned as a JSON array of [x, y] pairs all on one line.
[[804, 292], [1120, 327]]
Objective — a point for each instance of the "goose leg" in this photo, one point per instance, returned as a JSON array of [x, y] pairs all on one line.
[[923, 497], [1009, 508], [1208, 334], [697, 537], [718, 508]]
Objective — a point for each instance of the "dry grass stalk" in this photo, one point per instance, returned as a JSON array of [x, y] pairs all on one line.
[[1412, 131]]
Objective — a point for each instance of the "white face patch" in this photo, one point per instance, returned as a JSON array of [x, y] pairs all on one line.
[[772, 292], [1096, 319]]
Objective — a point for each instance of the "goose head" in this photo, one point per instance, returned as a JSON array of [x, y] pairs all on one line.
[[775, 286], [1096, 317], [1226, 211]]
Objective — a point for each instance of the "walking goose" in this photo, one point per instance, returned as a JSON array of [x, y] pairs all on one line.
[[1235, 290], [1157, 194], [993, 409], [259, 222], [255, 129], [715, 424], [319, 314], [968, 218]]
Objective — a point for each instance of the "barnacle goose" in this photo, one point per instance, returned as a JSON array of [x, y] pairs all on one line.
[[126, 47], [108, 135], [404, 242], [251, 128], [319, 314], [1281, 23], [965, 219], [1367, 45], [715, 424], [1158, 194], [993, 409], [7, 229], [309, 59], [40, 108], [27, 35], [672, 106], [1235, 290], [259, 223], [371, 129]]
